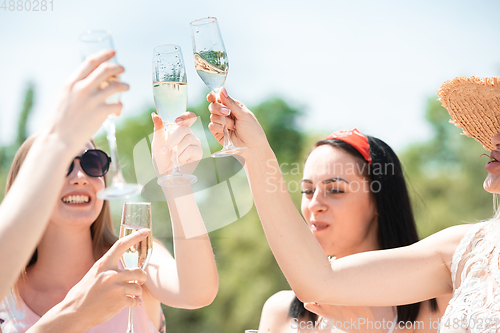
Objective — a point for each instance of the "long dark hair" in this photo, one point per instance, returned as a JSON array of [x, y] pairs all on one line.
[[396, 224]]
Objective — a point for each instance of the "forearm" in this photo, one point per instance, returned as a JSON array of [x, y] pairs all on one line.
[[26, 208], [61, 318], [376, 278], [194, 258], [297, 252]]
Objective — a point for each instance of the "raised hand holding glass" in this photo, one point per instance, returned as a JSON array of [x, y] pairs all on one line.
[[170, 95], [211, 63], [93, 41]]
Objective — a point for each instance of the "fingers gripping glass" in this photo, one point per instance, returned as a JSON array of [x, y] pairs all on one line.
[[170, 95], [91, 42], [136, 216], [211, 63], [94, 162]]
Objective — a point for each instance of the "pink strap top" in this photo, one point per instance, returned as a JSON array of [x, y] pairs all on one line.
[[18, 318]]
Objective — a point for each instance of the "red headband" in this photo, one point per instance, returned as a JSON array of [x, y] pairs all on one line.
[[354, 138]]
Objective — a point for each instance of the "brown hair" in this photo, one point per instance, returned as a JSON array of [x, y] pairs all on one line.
[[102, 230]]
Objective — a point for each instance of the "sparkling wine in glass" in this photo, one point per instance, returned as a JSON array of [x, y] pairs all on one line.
[[136, 216], [93, 41], [211, 63], [170, 95]]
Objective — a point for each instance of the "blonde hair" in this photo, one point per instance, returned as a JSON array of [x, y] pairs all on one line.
[[102, 230]]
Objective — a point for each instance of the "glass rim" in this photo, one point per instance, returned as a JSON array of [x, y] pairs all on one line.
[[105, 34], [137, 203], [204, 20], [176, 48]]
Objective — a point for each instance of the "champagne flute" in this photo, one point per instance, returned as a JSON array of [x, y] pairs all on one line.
[[211, 63], [94, 41], [136, 216], [170, 95]]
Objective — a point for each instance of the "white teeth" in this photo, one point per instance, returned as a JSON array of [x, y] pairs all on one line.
[[76, 199]]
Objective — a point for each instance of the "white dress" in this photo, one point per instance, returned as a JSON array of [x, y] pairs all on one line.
[[475, 306]]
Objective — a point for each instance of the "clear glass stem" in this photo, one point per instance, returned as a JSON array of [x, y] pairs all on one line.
[[130, 328], [109, 126], [175, 155], [227, 139]]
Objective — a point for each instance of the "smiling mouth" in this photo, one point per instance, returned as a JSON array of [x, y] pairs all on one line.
[[318, 226], [492, 160], [76, 199]]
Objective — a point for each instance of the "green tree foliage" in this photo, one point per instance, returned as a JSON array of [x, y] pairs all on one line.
[[446, 174], [279, 122], [23, 119], [7, 153], [247, 269]]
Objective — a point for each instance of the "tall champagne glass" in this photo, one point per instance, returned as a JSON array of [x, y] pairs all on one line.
[[211, 63], [93, 41], [136, 216], [170, 94]]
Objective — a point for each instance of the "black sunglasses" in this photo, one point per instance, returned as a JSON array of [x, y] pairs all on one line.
[[94, 162]]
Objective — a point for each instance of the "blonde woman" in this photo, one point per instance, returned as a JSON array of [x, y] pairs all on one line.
[[73, 283], [25, 210]]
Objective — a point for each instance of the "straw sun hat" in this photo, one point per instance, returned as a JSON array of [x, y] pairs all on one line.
[[474, 106]]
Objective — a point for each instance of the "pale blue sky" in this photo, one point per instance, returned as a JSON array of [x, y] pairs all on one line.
[[367, 64]]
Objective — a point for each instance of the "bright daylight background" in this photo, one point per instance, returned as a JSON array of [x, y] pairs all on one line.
[[366, 64], [371, 64]]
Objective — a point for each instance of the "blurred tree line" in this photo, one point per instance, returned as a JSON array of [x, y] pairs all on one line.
[[445, 175]]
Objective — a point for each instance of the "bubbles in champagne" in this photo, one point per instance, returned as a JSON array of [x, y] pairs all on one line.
[[170, 99], [138, 254]]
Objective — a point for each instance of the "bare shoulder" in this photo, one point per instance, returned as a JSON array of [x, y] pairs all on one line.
[[279, 303], [274, 316], [160, 252], [158, 243]]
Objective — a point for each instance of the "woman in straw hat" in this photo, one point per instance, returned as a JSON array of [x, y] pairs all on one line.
[[463, 259]]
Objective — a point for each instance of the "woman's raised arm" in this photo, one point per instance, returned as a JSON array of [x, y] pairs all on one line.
[[190, 280], [390, 277], [25, 210]]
